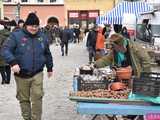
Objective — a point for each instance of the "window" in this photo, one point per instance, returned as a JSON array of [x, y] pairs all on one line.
[[24, 0], [52, 0], [6, 0], [39, 0], [131, 0]]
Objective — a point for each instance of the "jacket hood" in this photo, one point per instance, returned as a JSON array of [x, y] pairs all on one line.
[[116, 38]]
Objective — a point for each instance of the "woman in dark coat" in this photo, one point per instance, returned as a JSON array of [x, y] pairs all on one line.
[[65, 37], [125, 33]]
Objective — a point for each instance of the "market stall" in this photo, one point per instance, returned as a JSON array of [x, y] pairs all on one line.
[[94, 97], [119, 83]]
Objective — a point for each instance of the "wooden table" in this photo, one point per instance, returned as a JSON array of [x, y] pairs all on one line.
[[96, 108]]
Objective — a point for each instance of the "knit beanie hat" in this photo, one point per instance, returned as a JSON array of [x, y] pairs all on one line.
[[32, 19]]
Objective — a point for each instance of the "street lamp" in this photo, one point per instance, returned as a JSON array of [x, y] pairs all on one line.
[[18, 9]]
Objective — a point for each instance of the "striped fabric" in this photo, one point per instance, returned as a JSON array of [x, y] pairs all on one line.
[[115, 15]]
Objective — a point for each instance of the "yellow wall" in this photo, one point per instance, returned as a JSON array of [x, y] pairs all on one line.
[[102, 5]]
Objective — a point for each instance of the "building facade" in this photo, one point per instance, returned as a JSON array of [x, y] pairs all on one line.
[[45, 9], [84, 12], [1, 9], [81, 12]]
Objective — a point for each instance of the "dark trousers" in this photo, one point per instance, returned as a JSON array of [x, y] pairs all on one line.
[[92, 53], [66, 48], [6, 74]]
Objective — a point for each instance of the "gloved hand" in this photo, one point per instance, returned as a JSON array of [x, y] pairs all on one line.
[[15, 68]]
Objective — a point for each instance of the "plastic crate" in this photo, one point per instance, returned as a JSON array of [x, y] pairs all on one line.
[[91, 84], [148, 84]]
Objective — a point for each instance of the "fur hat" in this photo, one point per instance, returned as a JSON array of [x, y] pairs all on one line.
[[116, 38], [1, 27], [32, 19]]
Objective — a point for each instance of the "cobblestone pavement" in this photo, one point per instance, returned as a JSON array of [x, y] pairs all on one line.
[[56, 105]]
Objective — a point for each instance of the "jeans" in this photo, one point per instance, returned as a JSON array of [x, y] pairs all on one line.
[[92, 53], [66, 48]]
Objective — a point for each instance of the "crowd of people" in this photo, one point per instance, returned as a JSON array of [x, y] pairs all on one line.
[[25, 50]]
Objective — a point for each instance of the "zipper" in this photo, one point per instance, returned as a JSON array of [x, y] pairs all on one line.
[[33, 52]]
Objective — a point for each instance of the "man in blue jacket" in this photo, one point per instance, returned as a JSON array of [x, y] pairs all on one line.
[[27, 51]]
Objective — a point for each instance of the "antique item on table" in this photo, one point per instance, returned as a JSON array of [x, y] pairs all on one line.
[[106, 72], [88, 82], [124, 73], [117, 86], [86, 69], [77, 72]]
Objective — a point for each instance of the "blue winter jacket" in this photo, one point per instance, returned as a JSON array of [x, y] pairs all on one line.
[[30, 52]]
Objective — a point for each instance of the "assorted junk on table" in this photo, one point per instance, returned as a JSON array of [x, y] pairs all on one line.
[[100, 82]]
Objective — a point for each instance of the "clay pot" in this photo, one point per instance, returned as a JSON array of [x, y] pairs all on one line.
[[124, 73], [117, 86]]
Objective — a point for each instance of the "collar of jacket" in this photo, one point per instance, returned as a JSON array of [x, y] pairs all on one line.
[[31, 35]]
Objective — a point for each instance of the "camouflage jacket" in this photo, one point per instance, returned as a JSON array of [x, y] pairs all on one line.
[[140, 59], [3, 36]]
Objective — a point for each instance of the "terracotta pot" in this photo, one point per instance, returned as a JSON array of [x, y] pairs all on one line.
[[124, 73], [117, 86]]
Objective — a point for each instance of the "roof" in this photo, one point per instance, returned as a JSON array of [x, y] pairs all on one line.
[[115, 16]]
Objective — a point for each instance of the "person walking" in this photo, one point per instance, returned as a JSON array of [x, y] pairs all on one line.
[[91, 44], [49, 32], [100, 46], [5, 69], [56, 31], [65, 37], [19, 26], [27, 51], [125, 33]]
